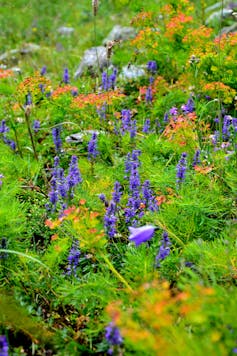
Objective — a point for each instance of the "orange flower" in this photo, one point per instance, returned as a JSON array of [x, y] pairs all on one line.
[[63, 90], [203, 169], [6, 73], [82, 100]]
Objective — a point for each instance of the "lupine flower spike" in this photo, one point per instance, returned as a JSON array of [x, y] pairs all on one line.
[[164, 250], [113, 337]]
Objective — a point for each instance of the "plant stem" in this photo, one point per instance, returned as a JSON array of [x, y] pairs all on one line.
[[17, 142], [27, 116], [116, 273]]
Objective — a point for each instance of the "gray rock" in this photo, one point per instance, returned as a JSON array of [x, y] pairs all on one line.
[[217, 6], [65, 31], [229, 29], [79, 136], [14, 55], [215, 16], [132, 72], [120, 33], [16, 70], [92, 59]]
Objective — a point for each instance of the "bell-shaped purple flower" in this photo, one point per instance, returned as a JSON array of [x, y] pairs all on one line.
[[141, 234]]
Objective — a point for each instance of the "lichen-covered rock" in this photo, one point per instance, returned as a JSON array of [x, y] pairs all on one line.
[[65, 31], [132, 72], [14, 55], [120, 33], [93, 58]]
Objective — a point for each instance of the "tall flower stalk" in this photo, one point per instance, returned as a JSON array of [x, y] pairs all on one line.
[[27, 111]]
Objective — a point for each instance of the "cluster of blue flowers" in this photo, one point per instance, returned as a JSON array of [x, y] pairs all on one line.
[[36, 126], [109, 81], [152, 69], [102, 111], [181, 168], [140, 197], [56, 131], [66, 78], [73, 259], [164, 250], [110, 218], [224, 137], [4, 129], [113, 337], [92, 147], [62, 187], [127, 124]]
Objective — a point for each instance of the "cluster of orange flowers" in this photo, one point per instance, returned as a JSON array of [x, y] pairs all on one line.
[[216, 89], [147, 35], [150, 332], [176, 24], [33, 84], [63, 90], [197, 35], [224, 40], [142, 18], [82, 100], [181, 124], [5, 73]]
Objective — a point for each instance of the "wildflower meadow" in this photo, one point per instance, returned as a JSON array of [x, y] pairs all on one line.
[[118, 177]]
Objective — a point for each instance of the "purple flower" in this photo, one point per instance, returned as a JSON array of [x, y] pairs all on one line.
[[74, 92], [4, 348], [66, 78], [149, 197], [105, 82], [112, 79], [141, 234], [10, 143], [73, 259], [188, 107], [3, 127], [152, 67], [173, 111], [28, 99], [92, 147], [102, 198], [74, 175], [148, 96], [56, 138], [166, 118], [117, 192], [164, 250], [133, 129], [110, 219], [102, 111], [113, 337], [36, 126], [181, 168], [146, 127], [126, 120], [62, 184], [196, 158], [43, 70]]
